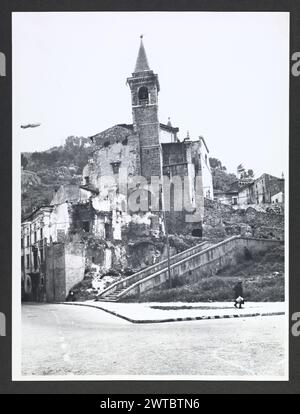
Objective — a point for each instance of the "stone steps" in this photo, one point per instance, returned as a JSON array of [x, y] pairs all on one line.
[[116, 295]]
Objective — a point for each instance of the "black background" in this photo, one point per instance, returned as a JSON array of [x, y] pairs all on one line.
[[142, 387]]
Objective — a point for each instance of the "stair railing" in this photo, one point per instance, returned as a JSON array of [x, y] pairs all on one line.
[[126, 282]]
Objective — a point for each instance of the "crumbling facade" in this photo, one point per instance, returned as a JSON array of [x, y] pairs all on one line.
[[35, 234], [148, 151], [137, 175]]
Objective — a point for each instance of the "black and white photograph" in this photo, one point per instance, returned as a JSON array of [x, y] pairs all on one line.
[[150, 196]]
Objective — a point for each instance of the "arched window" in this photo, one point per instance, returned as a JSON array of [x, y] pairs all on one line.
[[143, 96]]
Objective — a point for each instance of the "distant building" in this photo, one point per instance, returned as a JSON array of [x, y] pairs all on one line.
[[229, 197], [35, 234], [278, 198], [245, 194], [262, 190], [265, 190]]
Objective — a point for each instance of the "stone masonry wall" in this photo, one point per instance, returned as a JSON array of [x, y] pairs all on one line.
[[65, 267], [203, 265], [55, 273]]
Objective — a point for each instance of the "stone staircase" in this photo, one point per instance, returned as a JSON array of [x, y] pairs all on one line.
[[200, 261], [119, 289]]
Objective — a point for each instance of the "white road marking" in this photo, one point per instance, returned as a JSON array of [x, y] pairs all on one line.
[[63, 345], [232, 364]]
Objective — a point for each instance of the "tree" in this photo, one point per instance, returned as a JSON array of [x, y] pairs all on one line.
[[243, 173], [240, 170], [215, 163], [222, 180], [247, 174], [250, 174]]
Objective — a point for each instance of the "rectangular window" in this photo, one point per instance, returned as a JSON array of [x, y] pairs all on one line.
[[106, 229], [27, 260], [35, 237], [42, 255], [41, 234], [28, 241], [86, 226], [22, 243], [35, 259], [22, 262]]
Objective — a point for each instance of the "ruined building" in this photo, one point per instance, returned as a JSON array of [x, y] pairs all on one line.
[[140, 177], [147, 149]]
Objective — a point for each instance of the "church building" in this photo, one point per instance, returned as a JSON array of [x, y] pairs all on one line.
[[148, 148], [141, 182]]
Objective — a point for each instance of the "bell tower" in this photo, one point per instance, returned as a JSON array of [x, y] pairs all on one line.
[[144, 87]]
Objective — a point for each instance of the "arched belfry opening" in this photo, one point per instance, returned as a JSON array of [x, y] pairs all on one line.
[[143, 95], [144, 86]]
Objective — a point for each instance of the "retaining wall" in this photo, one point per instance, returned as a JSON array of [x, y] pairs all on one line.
[[203, 264]]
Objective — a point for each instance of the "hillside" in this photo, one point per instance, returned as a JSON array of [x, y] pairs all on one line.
[[30, 179], [44, 171], [262, 275]]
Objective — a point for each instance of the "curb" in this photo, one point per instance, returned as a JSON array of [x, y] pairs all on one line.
[[186, 319]]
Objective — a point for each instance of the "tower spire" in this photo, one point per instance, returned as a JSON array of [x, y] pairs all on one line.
[[142, 61], [144, 86]]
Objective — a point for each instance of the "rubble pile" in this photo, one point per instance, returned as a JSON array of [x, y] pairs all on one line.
[[94, 283], [222, 221]]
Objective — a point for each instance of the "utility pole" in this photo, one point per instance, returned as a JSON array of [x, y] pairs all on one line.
[[168, 250]]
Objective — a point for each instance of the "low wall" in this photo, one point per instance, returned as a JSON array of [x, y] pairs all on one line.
[[203, 264]]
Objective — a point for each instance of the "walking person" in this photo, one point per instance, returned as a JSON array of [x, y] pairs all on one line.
[[239, 295], [71, 296]]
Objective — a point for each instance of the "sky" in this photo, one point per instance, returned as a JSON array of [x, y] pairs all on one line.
[[223, 76]]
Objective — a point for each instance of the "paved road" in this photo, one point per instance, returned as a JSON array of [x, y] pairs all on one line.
[[60, 340]]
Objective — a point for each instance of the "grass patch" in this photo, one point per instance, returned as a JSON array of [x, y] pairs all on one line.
[[218, 289]]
